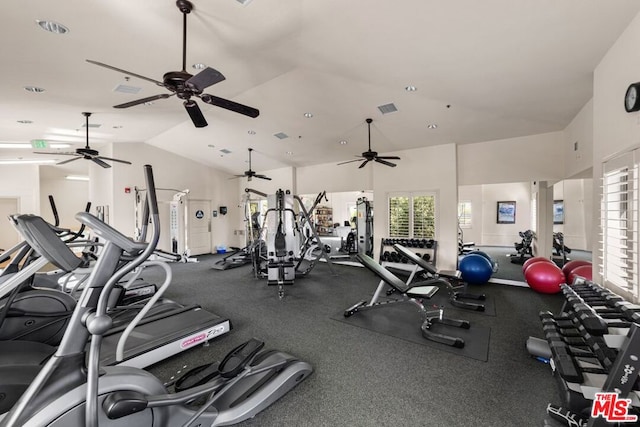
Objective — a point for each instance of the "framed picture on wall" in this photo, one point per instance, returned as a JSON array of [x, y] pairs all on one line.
[[506, 212], [558, 211]]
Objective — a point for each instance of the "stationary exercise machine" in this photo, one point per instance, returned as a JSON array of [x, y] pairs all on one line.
[[364, 226], [292, 242], [66, 391], [253, 234], [409, 293], [524, 248]]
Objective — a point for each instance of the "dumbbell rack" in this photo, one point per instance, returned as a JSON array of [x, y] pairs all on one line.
[[595, 347], [424, 247]]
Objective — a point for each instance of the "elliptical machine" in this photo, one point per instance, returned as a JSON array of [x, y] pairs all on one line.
[[66, 392]]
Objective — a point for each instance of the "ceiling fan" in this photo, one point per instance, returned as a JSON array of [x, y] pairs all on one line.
[[251, 174], [87, 152], [185, 85], [369, 155]]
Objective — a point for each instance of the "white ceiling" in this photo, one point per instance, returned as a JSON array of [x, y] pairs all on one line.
[[484, 70]]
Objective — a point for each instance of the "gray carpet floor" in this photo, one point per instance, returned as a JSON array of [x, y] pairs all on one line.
[[364, 378]]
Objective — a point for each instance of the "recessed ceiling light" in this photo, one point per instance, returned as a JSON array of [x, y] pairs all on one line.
[[25, 122], [148, 103], [251, 132], [343, 142], [432, 126], [117, 127], [289, 153], [199, 66], [308, 115], [52, 27], [34, 89], [411, 88]]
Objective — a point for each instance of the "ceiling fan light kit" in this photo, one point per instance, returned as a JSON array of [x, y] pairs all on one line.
[[185, 85], [369, 155]]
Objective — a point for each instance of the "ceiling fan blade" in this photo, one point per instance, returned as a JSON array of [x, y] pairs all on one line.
[[68, 161], [195, 113], [143, 100], [125, 72], [263, 177], [53, 152], [384, 162], [230, 105], [205, 78], [113, 160], [363, 164], [350, 161], [97, 161], [389, 157]]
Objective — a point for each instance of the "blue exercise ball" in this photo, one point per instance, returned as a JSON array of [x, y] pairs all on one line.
[[494, 265], [475, 269]]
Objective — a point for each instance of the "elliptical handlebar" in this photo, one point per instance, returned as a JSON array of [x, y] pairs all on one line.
[[93, 361]]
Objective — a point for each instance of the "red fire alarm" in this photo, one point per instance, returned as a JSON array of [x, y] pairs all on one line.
[[127, 190]]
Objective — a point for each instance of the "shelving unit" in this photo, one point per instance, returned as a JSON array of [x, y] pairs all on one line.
[[324, 221], [426, 248]]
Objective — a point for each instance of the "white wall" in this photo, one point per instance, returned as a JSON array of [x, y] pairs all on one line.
[[614, 130], [473, 194], [494, 234], [70, 197], [527, 158], [22, 182], [173, 172], [578, 142], [429, 169], [334, 178], [577, 195]]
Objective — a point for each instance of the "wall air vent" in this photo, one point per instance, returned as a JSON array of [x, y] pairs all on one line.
[[281, 135], [127, 89], [387, 108]]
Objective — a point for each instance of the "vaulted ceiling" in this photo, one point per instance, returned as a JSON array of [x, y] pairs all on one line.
[[482, 70]]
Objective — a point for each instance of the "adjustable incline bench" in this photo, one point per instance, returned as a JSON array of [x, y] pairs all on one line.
[[441, 279], [413, 294]]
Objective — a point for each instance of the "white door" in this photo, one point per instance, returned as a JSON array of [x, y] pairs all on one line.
[[199, 227], [8, 235]]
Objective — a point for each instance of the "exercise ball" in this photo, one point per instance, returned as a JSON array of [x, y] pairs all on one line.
[[580, 271], [494, 265], [566, 269], [533, 260], [544, 277], [475, 269]]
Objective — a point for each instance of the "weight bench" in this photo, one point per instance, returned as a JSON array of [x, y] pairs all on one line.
[[436, 279], [413, 294]]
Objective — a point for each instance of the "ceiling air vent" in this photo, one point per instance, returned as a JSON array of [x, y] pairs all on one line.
[[127, 89], [225, 151], [387, 108], [281, 135], [91, 125]]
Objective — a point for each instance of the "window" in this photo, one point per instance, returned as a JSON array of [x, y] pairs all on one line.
[[412, 216], [619, 223], [464, 214]]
